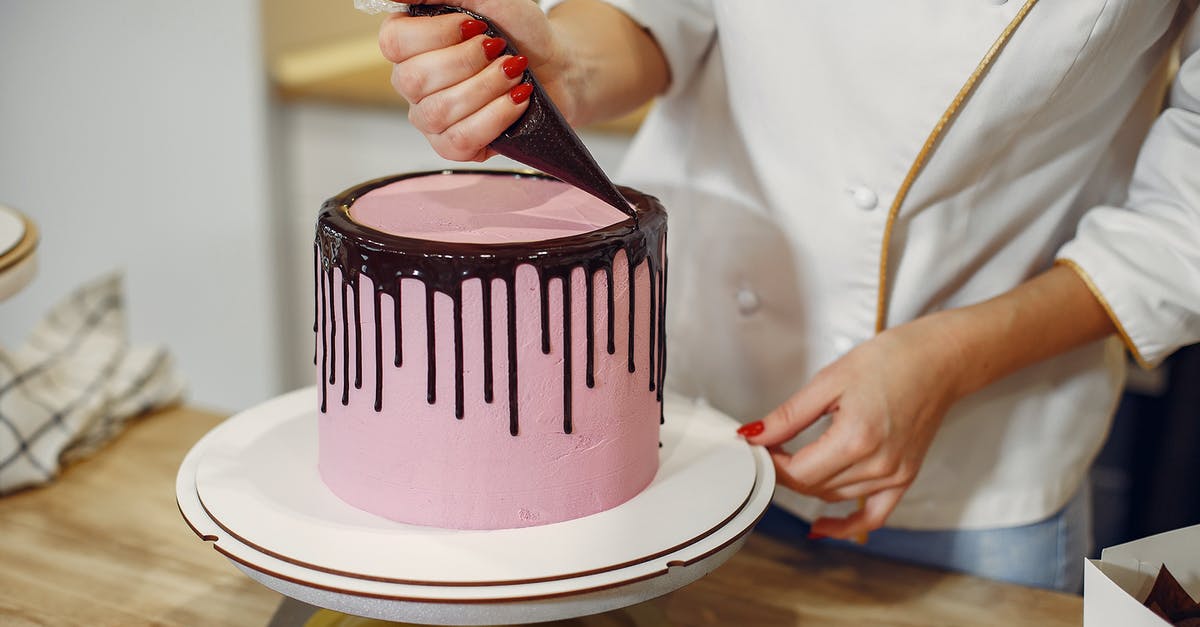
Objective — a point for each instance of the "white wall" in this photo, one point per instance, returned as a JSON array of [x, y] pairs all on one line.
[[135, 134]]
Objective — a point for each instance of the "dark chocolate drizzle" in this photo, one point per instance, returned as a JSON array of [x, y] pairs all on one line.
[[541, 137], [354, 250]]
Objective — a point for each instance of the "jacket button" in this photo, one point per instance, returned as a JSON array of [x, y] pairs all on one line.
[[863, 197], [747, 301]]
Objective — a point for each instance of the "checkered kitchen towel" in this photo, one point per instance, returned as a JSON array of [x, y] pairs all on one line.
[[75, 384]]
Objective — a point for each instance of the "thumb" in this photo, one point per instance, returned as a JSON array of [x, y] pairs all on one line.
[[796, 413], [874, 512]]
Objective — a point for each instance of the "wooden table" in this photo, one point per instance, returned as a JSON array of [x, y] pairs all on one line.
[[106, 545]]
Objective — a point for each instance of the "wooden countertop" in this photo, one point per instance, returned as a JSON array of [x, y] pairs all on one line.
[[106, 545]]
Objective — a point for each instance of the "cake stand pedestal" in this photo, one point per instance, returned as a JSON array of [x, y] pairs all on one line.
[[251, 487]]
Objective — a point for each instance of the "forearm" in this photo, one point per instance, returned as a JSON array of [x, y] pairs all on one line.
[[614, 65], [1047, 315]]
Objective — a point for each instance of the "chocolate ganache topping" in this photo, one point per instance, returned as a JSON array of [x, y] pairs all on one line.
[[541, 137], [356, 250]]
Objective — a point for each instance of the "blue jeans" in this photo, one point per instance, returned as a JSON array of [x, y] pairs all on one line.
[[1046, 554]]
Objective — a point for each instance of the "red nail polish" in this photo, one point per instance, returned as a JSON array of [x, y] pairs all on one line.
[[514, 66], [493, 47], [752, 429], [816, 536], [520, 93], [471, 28]]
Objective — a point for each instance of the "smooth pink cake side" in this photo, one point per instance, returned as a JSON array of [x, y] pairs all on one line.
[[415, 462]]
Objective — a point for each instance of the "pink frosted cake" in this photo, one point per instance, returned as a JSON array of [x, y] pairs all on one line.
[[461, 386]]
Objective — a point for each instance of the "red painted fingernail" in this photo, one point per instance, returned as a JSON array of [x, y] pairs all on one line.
[[752, 429], [471, 28], [520, 93], [493, 47], [816, 536], [514, 66]]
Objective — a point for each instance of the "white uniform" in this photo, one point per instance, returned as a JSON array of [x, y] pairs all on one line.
[[782, 152]]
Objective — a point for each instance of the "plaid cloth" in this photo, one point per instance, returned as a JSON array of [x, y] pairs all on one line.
[[75, 384]]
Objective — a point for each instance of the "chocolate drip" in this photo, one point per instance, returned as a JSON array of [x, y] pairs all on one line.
[[651, 372], [354, 249], [487, 340], [544, 291], [324, 342], [566, 313], [430, 360], [662, 328], [510, 304], [399, 358], [458, 353], [608, 282], [632, 309], [345, 347], [541, 137], [357, 336], [377, 296], [332, 332], [590, 285]]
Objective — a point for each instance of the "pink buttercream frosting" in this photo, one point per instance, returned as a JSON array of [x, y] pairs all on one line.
[[414, 461], [482, 209]]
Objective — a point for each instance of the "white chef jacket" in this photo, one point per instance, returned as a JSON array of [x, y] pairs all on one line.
[[831, 168]]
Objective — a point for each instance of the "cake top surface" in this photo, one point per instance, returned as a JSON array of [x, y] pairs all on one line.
[[482, 208]]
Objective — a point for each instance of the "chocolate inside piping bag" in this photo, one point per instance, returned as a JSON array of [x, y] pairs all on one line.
[[541, 138]]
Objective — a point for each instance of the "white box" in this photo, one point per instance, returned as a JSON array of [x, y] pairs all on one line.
[[1115, 585]]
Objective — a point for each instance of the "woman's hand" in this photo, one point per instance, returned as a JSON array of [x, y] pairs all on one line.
[[593, 61], [463, 92], [886, 399]]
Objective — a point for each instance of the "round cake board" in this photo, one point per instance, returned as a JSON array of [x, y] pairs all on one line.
[[250, 486]]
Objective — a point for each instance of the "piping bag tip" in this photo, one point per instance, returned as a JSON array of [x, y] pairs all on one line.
[[541, 137]]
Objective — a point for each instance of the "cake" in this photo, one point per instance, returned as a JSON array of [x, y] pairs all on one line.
[[460, 386]]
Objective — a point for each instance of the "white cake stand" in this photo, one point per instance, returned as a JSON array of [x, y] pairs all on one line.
[[251, 487]]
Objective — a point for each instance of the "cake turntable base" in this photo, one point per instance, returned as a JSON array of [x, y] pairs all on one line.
[[251, 487]]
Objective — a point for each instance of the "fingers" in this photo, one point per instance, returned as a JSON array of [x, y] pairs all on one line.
[[402, 36], [525, 22], [808, 469], [794, 415], [468, 138], [462, 91], [430, 72], [884, 469], [437, 112], [828, 469], [873, 514], [860, 490]]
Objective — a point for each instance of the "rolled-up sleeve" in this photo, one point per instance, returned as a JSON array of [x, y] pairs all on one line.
[[1142, 260], [684, 30]]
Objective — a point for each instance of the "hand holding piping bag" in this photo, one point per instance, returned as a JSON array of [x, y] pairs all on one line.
[[456, 66], [463, 88]]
